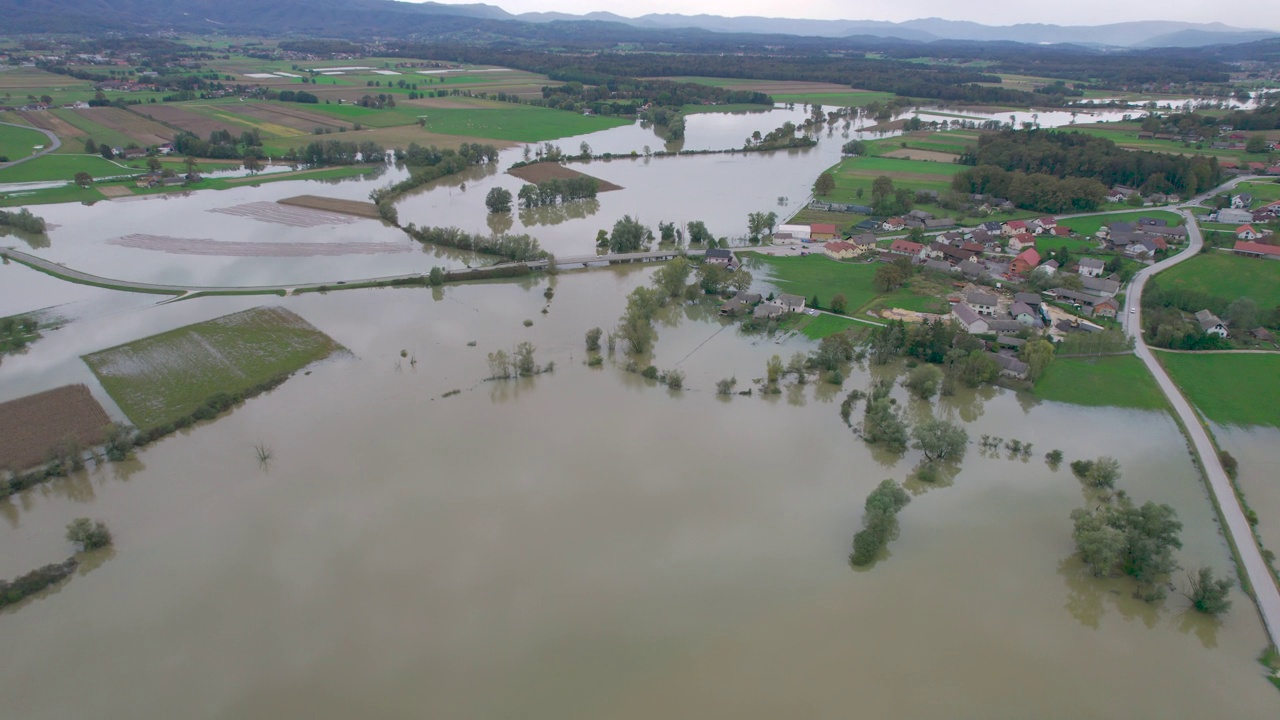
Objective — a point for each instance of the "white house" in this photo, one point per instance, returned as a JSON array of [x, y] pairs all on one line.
[[1229, 215], [1091, 267], [981, 302], [1210, 324], [788, 303], [1246, 232], [969, 319], [792, 233]]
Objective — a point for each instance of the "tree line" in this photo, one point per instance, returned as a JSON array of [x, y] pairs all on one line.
[[1059, 172]]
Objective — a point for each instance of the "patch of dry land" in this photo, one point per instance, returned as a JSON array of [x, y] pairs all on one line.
[[914, 154], [544, 171], [301, 217], [161, 379], [358, 208], [32, 425]]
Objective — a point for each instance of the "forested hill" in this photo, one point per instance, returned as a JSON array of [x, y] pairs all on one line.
[[564, 45]]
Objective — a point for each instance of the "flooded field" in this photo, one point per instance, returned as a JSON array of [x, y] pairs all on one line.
[[587, 544]]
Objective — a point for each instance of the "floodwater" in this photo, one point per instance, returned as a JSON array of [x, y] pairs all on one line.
[[587, 544], [718, 189], [1257, 450]]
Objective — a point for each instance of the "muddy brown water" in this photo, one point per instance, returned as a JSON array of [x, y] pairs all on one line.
[[587, 544]]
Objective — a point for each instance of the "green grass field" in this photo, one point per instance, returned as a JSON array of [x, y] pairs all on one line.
[[101, 134], [1115, 381], [1076, 246], [1089, 224], [500, 121], [853, 98], [61, 167], [820, 275], [66, 193], [1228, 276], [18, 143], [823, 325], [1229, 389], [162, 378], [1262, 192], [518, 123]]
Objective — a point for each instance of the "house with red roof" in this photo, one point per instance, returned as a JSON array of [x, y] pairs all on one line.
[[823, 231], [1060, 231], [1013, 227], [906, 247], [1021, 241], [839, 250], [894, 223], [1026, 261], [1257, 250], [1045, 224], [1246, 232]]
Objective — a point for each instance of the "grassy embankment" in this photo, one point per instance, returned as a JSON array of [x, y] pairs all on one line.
[[1228, 276], [1229, 388], [163, 378], [1113, 381]]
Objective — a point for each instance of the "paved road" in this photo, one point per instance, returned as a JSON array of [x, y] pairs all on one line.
[[1266, 594], [85, 278], [54, 144]]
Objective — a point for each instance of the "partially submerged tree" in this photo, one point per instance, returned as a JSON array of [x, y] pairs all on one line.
[[88, 534], [940, 440], [1207, 594]]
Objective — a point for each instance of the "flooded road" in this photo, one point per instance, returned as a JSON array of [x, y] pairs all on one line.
[[587, 544]]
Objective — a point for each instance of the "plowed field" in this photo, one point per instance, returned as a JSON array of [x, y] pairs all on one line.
[[31, 425]]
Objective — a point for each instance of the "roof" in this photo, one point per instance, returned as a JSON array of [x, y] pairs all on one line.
[[1016, 225], [764, 311], [1021, 308], [1027, 298], [965, 314], [1092, 263], [1100, 285], [1009, 363], [1024, 238], [1246, 229], [839, 246], [828, 228], [1029, 256], [1256, 248], [788, 300], [720, 253], [939, 265], [980, 298], [1004, 325], [1061, 230], [1207, 320], [906, 246]]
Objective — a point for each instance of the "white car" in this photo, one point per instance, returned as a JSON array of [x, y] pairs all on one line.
[[1133, 310], [811, 311]]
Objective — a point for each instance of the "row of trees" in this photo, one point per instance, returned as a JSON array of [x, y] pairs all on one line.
[[518, 248], [1117, 538], [1040, 192], [1078, 155], [556, 191], [879, 522], [23, 219]]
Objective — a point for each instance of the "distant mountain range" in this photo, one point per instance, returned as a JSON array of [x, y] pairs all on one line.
[[1147, 34], [352, 18]]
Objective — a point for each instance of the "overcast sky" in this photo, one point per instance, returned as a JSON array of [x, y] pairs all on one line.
[[1238, 13]]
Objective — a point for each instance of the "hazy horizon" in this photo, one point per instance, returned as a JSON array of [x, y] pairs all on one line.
[[1246, 14]]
